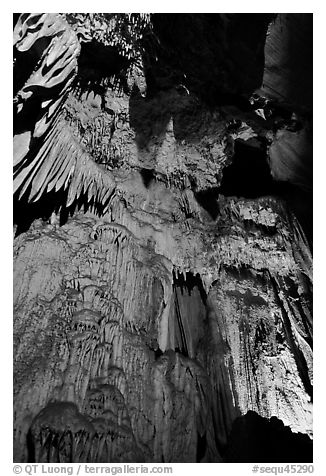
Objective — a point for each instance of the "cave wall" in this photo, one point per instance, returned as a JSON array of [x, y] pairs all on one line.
[[162, 251]]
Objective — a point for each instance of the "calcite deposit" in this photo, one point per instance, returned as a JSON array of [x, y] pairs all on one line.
[[162, 250]]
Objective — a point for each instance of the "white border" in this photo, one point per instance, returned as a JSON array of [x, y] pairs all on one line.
[[318, 8]]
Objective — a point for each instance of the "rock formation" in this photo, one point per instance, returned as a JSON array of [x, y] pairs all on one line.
[[162, 250]]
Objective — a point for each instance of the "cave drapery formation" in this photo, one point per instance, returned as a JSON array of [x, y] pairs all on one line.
[[162, 249]]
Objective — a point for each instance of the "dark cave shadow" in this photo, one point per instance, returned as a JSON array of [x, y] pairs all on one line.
[[30, 447], [298, 49], [207, 53], [25, 213], [214, 59], [15, 17], [249, 176], [98, 62], [254, 439]]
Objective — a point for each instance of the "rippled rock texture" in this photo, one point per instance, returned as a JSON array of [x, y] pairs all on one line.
[[162, 251]]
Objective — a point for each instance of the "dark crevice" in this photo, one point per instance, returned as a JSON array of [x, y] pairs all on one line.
[[97, 63], [208, 199], [147, 176], [184, 347], [201, 447], [30, 447], [249, 176], [158, 352], [25, 213]]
